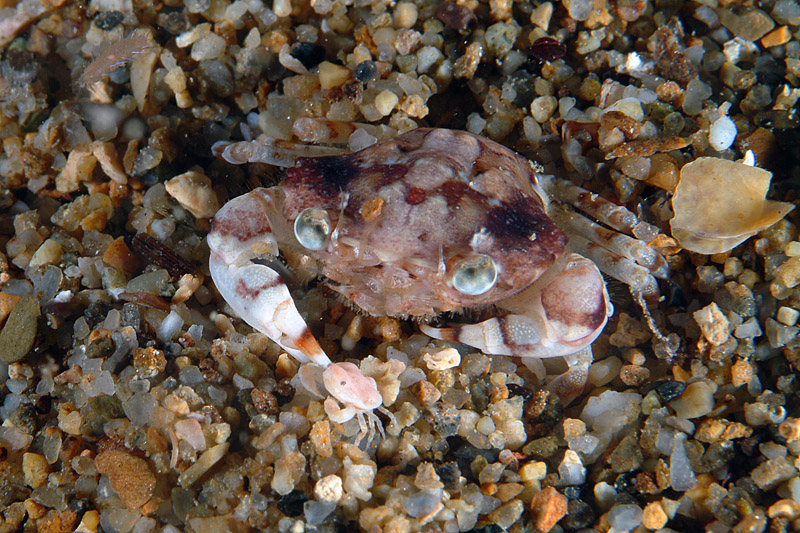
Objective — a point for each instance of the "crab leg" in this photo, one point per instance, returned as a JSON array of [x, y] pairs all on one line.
[[616, 216], [562, 312], [268, 150], [242, 231]]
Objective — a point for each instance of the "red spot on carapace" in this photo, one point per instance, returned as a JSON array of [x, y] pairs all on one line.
[[415, 196]]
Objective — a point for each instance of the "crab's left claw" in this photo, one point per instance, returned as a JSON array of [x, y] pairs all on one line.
[[561, 313], [242, 231]]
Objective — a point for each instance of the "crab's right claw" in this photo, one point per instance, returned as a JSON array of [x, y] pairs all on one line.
[[563, 312], [241, 231]]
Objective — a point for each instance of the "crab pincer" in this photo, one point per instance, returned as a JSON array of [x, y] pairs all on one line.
[[242, 231]]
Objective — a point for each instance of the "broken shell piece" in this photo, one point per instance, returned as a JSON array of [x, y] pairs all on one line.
[[719, 204]]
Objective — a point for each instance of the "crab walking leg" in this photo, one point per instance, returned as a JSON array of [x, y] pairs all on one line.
[[561, 313], [618, 243], [241, 231], [269, 150], [616, 216]]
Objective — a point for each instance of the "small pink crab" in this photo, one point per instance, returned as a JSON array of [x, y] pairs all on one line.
[[427, 222]]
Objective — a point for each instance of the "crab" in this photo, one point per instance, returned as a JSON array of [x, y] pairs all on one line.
[[428, 222]]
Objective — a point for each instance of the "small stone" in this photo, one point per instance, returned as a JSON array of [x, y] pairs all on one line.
[[329, 489], [776, 37], [627, 456], [443, 359], [630, 332], [320, 437], [713, 323], [653, 516], [779, 335], [358, 479], [571, 469], [548, 506], [193, 191], [385, 102], [751, 24], [119, 256], [405, 15], [542, 108], [604, 371], [289, 468], [533, 471], [149, 362], [721, 430], [541, 15], [208, 459], [500, 38], [35, 469], [772, 473], [466, 65], [49, 253], [107, 156], [426, 392], [696, 401], [722, 133], [634, 375], [19, 333], [788, 315], [505, 515], [786, 508], [625, 517], [130, 476], [681, 475], [789, 429], [423, 504], [786, 12], [332, 75]]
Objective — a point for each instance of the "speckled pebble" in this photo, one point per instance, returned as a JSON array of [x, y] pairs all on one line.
[[19, 331], [130, 476]]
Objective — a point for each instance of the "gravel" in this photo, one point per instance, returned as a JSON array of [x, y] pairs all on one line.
[[132, 398]]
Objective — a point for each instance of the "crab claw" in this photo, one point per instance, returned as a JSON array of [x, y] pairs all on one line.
[[241, 231], [562, 312]]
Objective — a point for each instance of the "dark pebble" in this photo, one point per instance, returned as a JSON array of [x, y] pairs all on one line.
[[43, 404], [579, 515], [102, 347], [108, 20], [309, 54], [444, 419], [284, 392], [366, 71], [519, 390], [292, 503], [669, 390], [449, 473]]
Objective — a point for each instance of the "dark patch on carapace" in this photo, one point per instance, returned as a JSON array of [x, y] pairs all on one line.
[[327, 175], [453, 191], [522, 218], [415, 196]]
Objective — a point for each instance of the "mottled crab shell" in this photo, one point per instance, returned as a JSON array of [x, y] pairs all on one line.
[[406, 210]]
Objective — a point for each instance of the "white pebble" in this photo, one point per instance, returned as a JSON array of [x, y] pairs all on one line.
[[722, 133], [385, 102], [788, 315]]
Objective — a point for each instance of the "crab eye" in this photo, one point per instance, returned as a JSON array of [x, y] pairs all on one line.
[[312, 228], [475, 275]]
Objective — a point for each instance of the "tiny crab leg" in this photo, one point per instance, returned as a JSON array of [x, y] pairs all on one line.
[[637, 277], [322, 130], [616, 216], [268, 150], [613, 241], [242, 231]]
